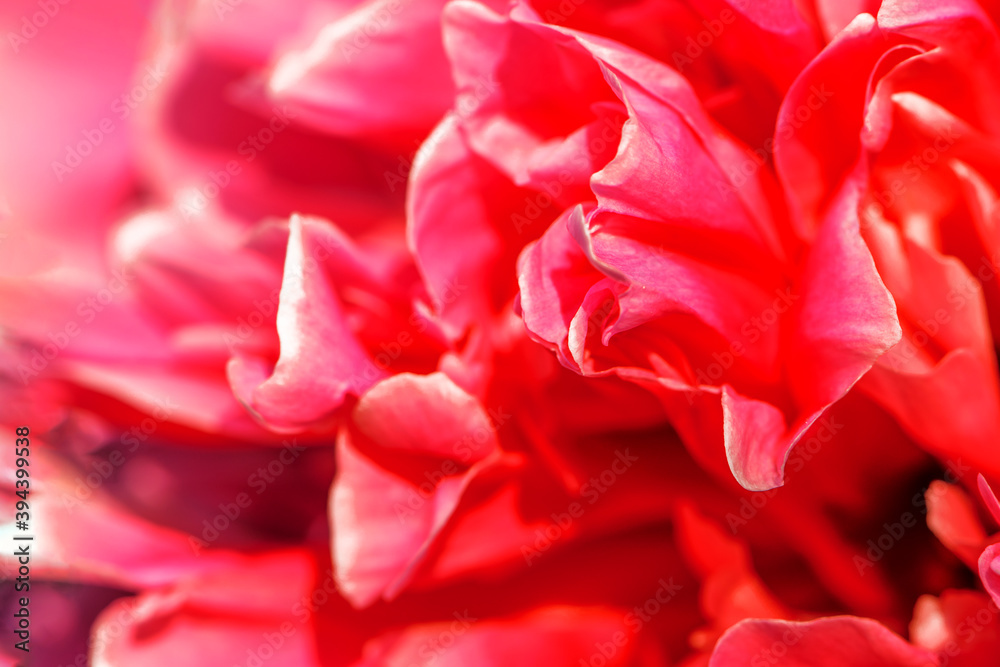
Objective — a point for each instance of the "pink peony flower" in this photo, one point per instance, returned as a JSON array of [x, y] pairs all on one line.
[[467, 332]]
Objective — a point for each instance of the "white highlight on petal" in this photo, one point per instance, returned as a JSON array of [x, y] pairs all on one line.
[[139, 232]]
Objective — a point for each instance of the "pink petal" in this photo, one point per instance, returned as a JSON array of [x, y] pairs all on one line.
[[833, 641], [990, 498], [556, 636], [945, 625], [69, 513], [847, 318], [224, 618], [381, 523], [835, 15], [554, 276], [731, 590], [426, 414], [940, 380], [456, 234], [379, 70], [951, 516], [382, 520], [989, 571], [321, 359], [755, 444], [812, 157]]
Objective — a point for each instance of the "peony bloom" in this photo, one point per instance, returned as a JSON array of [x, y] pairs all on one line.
[[482, 332]]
